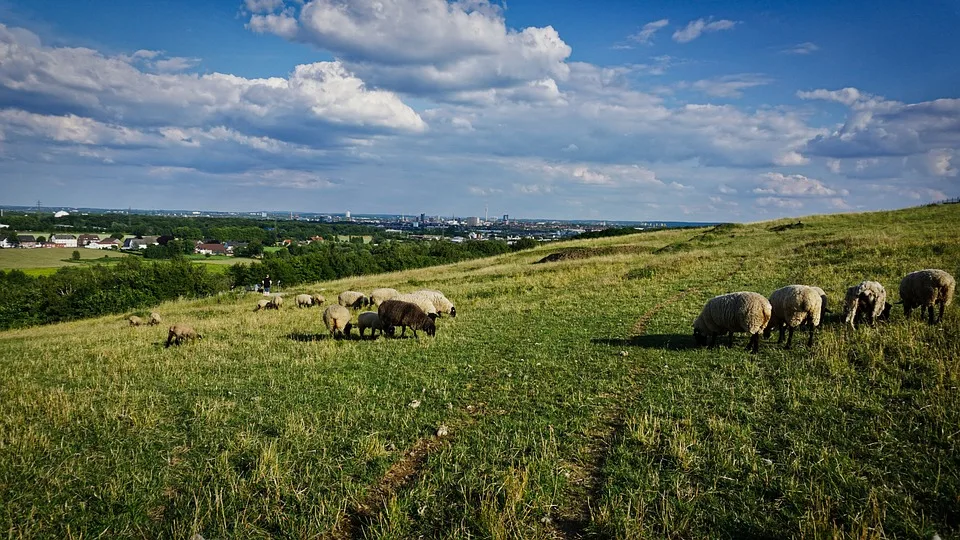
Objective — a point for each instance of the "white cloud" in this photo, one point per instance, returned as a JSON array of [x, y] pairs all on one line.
[[175, 64], [695, 29], [730, 86], [778, 202], [939, 162], [833, 165], [646, 33], [424, 47], [260, 6], [794, 185], [69, 128], [806, 47], [791, 158]]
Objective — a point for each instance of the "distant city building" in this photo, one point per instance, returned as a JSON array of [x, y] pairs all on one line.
[[473, 222], [423, 218], [61, 214], [347, 214], [64, 240], [506, 218]]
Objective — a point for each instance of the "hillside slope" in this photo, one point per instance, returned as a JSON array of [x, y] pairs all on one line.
[[575, 402]]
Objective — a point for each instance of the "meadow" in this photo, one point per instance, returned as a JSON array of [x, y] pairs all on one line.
[[573, 401], [45, 261]]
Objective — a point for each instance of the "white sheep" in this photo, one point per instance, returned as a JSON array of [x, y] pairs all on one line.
[[318, 299], [379, 296], [155, 319], [135, 321], [369, 319], [353, 299], [440, 301], [734, 312], [925, 289], [792, 306], [422, 301], [337, 321], [304, 300], [865, 299]]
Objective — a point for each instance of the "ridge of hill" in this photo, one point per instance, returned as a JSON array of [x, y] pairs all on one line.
[[574, 402]]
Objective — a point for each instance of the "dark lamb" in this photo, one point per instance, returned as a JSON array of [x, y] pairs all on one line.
[[398, 313]]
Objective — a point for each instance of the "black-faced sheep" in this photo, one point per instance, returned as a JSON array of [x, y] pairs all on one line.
[[180, 333], [399, 313], [135, 321], [337, 321], [422, 301], [440, 302], [318, 299], [371, 320], [353, 299], [925, 289], [155, 319], [792, 306], [734, 312], [867, 299], [379, 296]]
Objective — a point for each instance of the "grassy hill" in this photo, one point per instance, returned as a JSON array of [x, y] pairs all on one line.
[[575, 402]]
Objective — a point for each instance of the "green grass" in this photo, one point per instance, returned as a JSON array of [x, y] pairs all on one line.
[[266, 428], [51, 258]]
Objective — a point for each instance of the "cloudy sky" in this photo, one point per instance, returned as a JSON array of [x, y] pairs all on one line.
[[619, 109]]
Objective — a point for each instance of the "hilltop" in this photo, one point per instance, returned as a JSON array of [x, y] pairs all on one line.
[[575, 402]]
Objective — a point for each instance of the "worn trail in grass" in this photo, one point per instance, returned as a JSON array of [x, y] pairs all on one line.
[[268, 428]]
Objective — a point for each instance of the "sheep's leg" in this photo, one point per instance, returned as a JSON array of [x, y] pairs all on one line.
[[754, 344], [780, 340], [403, 331], [942, 305], [810, 339], [713, 340], [930, 311], [730, 339], [415, 332], [790, 338]]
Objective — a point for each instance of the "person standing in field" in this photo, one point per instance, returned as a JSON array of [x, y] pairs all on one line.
[[266, 285]]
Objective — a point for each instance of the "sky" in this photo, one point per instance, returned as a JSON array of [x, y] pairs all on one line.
[[621, 110]]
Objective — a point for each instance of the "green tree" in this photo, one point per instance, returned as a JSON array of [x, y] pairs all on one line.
[[76, 255]]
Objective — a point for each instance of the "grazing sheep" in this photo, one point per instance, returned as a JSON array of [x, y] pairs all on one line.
[[318, 300], [440, 301], [155, 319], [424, 302], [925, 289], [792, 306], [276, 302], [379, 296], [180, 333], [262, 304], [369, 319], [337, 321], [734, 312], [135, 321], [866, 299], [304, 300], [399, 313], [823, 302], [353, 299]]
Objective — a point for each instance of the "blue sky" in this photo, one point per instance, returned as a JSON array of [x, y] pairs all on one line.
[[707, 111]]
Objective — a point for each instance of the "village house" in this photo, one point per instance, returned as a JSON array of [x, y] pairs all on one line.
[[210, 249], [63, 240], [139, 243], [106, 243], [27, 240], [85, 239]]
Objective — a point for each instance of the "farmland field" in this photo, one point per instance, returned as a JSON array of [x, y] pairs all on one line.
[[51, 258], [574, 402]]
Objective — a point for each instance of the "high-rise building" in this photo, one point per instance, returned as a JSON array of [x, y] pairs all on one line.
[[473, 222], [423, 218], [506, 218]]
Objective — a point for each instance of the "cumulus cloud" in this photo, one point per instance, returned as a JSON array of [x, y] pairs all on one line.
[[646, 33], [939, 162], [790, 158], [730, 86], [176, 63], [695, 29], [69, 129], [807, 47], [87, 83], [794, 185], [424, 47]]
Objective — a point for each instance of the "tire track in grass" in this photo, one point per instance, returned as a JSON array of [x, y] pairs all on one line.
[[588, 481]]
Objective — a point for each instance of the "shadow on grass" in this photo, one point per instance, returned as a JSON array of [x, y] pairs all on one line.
[[304, 337], [670, 342]]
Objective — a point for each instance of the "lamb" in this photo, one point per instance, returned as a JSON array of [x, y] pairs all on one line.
[[399, 313], [353, 299], [424, 302], [371, 320], [155, 319], [440, 301], [180, 333], [135, 321], [304, 300], [792, 306], [744, 311], [866, 299], [926, 289], [337, 321], [379, 296]]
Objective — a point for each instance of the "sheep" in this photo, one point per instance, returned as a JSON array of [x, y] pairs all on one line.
[[276, 302], [379, 296], [135, 321], [180, 333], [440, 301], [353, 299], [337, 321], [792, 306], [746, 312], [423, 302], [155, 319], [925, 289], [304, 300], [371, 320], [399, 313], [262, 304], [318, 299], [823, 302], [866, 299]]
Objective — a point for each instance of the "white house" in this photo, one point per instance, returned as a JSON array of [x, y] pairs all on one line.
[[105, 243], [64, 240]]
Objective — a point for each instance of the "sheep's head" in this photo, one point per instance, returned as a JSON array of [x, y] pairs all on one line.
[[453, 311], [699, 337], [433, 316], [885, 314], [430, 327]]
